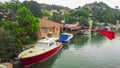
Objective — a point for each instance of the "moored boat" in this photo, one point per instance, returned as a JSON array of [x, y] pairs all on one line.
[[65, 37], [43, 50], [107, 28]]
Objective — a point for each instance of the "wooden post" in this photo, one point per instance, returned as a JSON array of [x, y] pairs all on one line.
[[90, 27]]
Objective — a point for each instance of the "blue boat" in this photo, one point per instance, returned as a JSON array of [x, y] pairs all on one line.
[[106, 28], [65, 37]]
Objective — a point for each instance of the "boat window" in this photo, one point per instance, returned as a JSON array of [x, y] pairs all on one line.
[[41, 45], [52, 43], [69, 35]]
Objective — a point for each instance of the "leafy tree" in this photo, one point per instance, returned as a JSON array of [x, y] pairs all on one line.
[[68, 19], [71, 20], [56, 17], [13, 7], [83, 21], [55, 7], [29, 25], [79, 15], [34, 8], [108, 19], [8, 44], [9, 10], [47, 14], [80, 12], [102, 12]]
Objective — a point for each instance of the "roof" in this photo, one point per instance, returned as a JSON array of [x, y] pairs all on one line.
[[47, 23], [72, 27], [84, 27]]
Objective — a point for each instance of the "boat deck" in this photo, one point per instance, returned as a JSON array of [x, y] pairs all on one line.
[[34, 51], [31, 52]]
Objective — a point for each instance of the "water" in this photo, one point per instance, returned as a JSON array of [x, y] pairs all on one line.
[[94, 51]]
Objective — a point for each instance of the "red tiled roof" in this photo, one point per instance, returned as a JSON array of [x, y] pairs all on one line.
[[72, 27], [47, 23], [84, 27]]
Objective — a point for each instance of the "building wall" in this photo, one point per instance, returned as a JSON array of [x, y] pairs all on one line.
[[55, 31]]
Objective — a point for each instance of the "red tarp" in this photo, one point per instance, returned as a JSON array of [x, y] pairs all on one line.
[[108, 34]]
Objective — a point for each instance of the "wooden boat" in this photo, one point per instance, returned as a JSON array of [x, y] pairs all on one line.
[[65, 37], [43, 50]]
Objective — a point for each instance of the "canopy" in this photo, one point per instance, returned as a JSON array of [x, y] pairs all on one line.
[[72, 27]]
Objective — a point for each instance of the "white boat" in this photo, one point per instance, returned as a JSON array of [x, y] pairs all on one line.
[[43, 50]]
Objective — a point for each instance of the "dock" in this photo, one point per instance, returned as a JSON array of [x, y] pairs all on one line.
[[6, 65]]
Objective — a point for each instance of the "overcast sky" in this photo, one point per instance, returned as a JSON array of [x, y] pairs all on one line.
[[75, 3]]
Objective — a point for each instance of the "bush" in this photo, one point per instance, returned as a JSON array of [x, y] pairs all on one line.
[[8, 44]]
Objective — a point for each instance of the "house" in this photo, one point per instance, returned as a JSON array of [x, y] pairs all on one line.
[[48, 28], [70, 28]]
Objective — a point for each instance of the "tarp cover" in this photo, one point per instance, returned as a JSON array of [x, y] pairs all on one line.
[[63, 37]]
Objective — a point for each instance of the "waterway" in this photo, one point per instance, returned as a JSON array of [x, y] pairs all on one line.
[[88, 51]]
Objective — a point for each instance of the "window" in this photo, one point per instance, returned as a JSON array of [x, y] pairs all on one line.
[[45, 30], [57, 29], [50, 29], [41, 45], [51, 44]]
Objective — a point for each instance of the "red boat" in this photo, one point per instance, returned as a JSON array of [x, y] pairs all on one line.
[[43, 50]]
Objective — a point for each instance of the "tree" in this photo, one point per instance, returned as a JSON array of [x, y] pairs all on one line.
[[28, 24], [8, 44], [47, 14], [80, 12], [79, 15], [8, 10], [68, 19], [108, 19], [56, 17], [83, 21], [34, 8]]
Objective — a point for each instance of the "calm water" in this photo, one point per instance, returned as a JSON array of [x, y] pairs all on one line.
[[85, 52]]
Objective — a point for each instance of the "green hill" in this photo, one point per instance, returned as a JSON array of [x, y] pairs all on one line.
[[55, 7], [102, 12]]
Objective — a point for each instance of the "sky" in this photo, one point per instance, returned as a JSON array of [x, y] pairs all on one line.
[[75, 3]]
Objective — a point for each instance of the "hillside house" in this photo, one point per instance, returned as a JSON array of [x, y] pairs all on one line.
[[48, 28]]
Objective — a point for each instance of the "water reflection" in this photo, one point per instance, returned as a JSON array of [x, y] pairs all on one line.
[[80, 40], [48, 63], [94, 52], [98, 38], [86, 52]]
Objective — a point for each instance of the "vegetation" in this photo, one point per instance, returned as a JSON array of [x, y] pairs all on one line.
[[19, 21], [20, 32], [29, 25], [8, 10], [79, 16], [34, 8], [102, 12], [8, 46], [55, 7]]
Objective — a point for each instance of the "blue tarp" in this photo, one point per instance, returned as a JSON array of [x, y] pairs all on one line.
[[63, 37], [105, 29]]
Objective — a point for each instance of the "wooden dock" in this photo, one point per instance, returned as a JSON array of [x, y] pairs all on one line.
[[6, 65]]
